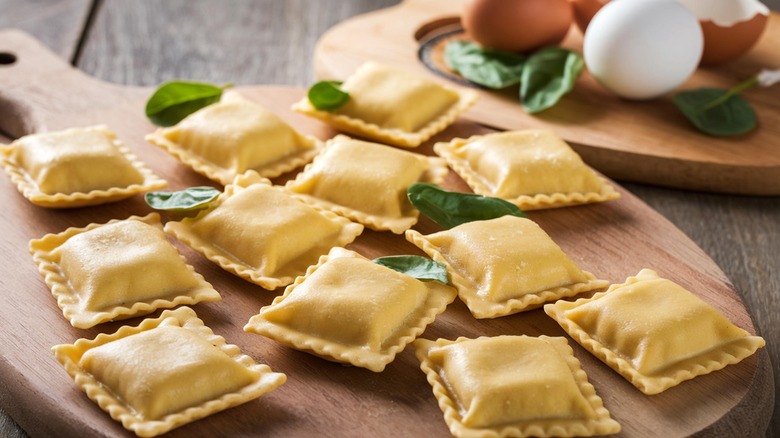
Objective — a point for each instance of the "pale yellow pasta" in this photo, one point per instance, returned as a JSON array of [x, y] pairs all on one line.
[[512, 386], [227, 138], [367, 182], [76, 167], [262, 233], [533, 169], [117, 270], [643, 330], [505, 265], [349, 309], [393, 106], [167, 372]]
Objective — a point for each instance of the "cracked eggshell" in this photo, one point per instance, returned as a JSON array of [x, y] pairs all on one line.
[[643, 49], [731, 27]]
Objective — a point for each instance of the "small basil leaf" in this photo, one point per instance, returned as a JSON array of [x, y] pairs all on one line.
[[421, 268], [489, 68], [174, 101], [187, 199], [549, 74], [715, 113], [327, 96], [450, 209]]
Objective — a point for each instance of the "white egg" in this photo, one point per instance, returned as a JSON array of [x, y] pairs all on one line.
[[642, 49]]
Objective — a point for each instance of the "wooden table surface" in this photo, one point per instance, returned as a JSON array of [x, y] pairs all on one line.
[[146, 42]]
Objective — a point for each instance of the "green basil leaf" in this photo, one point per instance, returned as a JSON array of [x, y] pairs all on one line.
[[489, 68], [450, 209], [549, 74], [715, 113], [421, 268], [188, 199], [174, 101], [327, 96]]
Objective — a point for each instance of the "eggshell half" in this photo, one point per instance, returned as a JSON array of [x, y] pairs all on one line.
[[731, 27]]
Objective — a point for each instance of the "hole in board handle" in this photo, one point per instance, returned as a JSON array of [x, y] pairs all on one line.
[[7, 58]]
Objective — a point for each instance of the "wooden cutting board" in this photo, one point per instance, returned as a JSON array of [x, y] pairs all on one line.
[[614, 240], [648, 142]]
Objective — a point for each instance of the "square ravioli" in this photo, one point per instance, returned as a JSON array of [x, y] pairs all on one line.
[[76, 167], [164, 373], [532, 169], [262, 233], [352, 310], [642, 329], [505, 265], [234, 135], [393, 106], [512, 386], [117, 270], [367, 182]]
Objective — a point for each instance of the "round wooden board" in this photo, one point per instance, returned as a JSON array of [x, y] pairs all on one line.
[[614, 240], [648, 141]]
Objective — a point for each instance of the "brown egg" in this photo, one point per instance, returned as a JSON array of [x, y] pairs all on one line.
[[584, 10], [517, 25], [722, 44]]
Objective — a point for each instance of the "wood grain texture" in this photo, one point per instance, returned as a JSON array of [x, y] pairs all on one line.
[[614, 240], [646, 141], [742, 234], [57, 23]]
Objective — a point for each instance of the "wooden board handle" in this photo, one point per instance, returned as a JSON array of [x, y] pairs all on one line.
[[37, 85]]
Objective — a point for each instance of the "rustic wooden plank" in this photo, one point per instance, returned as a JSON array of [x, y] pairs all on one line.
[[58, 24]]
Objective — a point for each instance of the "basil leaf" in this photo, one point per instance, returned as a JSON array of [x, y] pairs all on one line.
[[549, 74], [421, 268], [188, 199], [489, 68], [450, 209], [174, 101], [327, 96], [714, 112]]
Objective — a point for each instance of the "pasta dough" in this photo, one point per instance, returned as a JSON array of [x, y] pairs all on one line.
[[349, 309], [165, 373], [642, 329], [505, 265], [512, 386], [117, 270], [262, 233], [230, 137], [367, 182], [76, 167], [533, 169], [393, 106]]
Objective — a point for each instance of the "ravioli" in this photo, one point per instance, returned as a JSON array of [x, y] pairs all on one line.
[[165, 373], [117, 270], [393, 106], [367, 182], [349, 309], [505, 265], [262, 233], [513, 386], [642, 329], [76, 167], [230, 137], [533, 169]]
